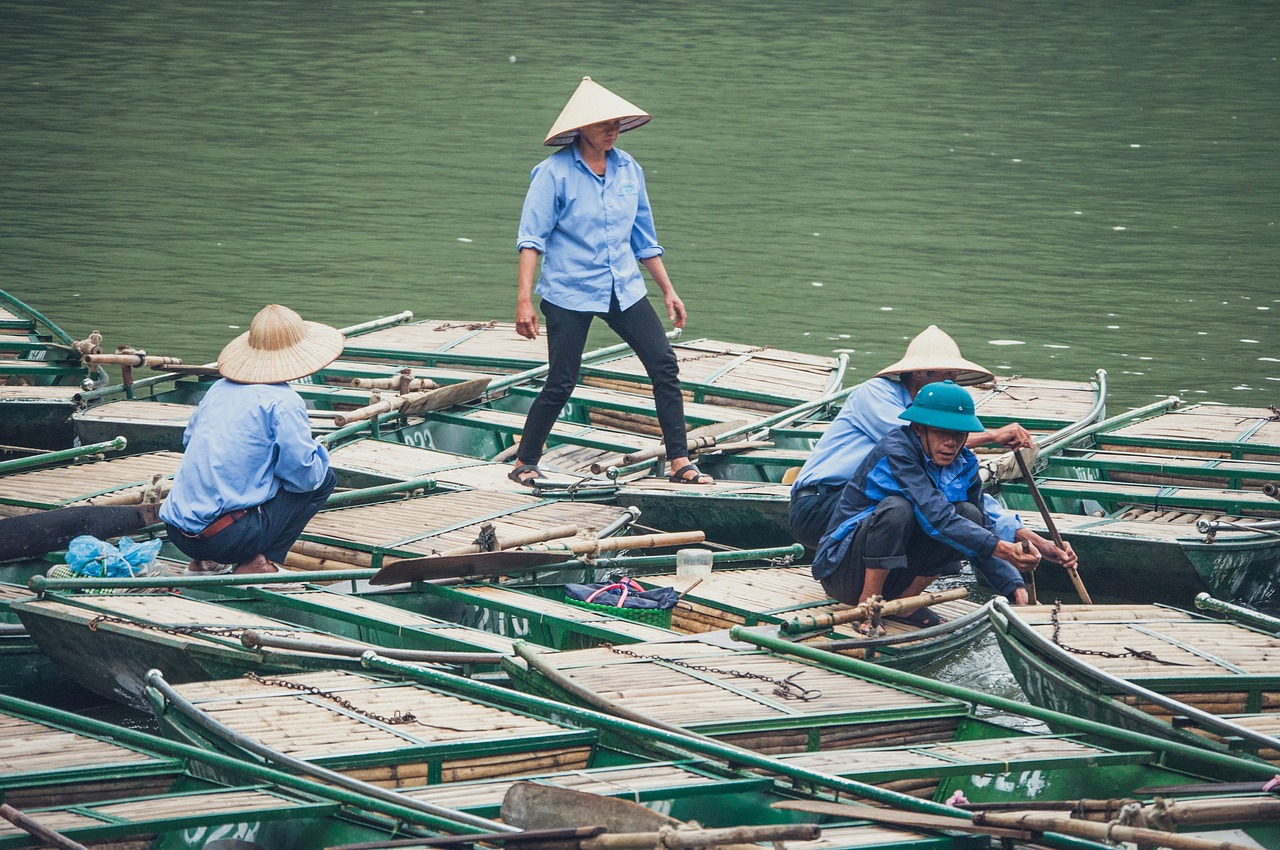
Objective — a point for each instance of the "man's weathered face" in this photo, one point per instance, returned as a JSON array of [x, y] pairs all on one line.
[[942, 447]]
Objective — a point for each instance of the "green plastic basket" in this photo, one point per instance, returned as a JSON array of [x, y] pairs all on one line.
[[653, 616]]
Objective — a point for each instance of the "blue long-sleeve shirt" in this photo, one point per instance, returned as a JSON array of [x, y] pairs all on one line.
[[590, 230], [898, 465], [868, 414], [243, 443]]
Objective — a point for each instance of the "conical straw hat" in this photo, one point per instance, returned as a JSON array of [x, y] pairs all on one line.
[[279, 346], [592, 103], [934, 351]]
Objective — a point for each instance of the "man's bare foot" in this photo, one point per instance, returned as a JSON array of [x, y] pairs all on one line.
[[200, 567], [256, 564]]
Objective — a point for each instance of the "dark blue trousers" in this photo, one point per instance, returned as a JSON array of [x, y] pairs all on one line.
[[269, 529], [640, 328]]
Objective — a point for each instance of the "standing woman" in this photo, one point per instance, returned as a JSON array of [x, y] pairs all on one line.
[[587, 215]]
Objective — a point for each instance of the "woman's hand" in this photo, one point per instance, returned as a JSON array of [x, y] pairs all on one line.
[[675, 308], [526, 319]]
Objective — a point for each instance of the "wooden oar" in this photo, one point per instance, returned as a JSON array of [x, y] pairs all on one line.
[[483, 564], [466, 566], [631, 825], [46, 531], [894, 607], [32, 826], [414, 403], [1109, 832], [1053, 529], [698, 438], [899, 817]]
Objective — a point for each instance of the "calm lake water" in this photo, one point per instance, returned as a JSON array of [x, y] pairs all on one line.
[[1060, 188]]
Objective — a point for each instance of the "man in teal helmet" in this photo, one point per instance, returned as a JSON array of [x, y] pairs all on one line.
[[913, 509]]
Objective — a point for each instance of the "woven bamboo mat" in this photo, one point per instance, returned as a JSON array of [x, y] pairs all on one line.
[[81, 482], [729, 598], [783, 375], [151, 616], [1002, 751], [1200, 648], [1251, 425], [1035, 398], [27, 746], [154, 809], [685, 697], [309, 725], [494, 340], [445, 521], [40, 393], [402, 462]]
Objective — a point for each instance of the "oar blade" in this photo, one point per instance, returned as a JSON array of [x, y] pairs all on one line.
[[531, 805], [476, 565], [448, 396]]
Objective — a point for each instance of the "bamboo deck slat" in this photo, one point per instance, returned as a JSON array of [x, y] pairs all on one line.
[[28, 747], [458, 337], [63, 485], [431, 524], [39, 393], [719, 490], [867, 762], [685, 697], [139, 411], [866, 835], [1204, 648], [405, 463], [1034, 398], [156, 809], [312, 726], [1213, 423]]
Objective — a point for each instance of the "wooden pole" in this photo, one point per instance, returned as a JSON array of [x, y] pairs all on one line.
[[33, 827], [861, 612], [1110, 832], [1048, 521]]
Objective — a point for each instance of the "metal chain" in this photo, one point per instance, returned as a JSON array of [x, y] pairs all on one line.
[[712, 354], [783, 561], [784, 688], [171, 630], [474, 326], [1130, 652], [394, 720]]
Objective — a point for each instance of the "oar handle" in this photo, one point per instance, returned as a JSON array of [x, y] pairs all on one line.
[[1048, 521], [859, 613], [613, 544], [30, 825]]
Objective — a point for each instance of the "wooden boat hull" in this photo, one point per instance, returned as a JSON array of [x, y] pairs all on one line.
[[1069, 683]]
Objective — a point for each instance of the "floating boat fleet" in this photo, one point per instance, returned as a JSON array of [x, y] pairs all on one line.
[[421, 676]]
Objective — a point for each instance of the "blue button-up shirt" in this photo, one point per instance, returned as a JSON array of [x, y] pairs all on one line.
[[243, 443], [590, 230]]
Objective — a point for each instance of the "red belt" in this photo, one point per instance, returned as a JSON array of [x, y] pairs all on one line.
[[221, 523]]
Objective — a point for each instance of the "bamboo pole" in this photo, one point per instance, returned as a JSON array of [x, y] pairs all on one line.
[[813, 622], [1109, 832], [30, 825], [135, 359], [1053, 529], [686, 839]]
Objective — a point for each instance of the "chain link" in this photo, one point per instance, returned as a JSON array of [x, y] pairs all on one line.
[[1130, 652], [712, 354], [170, 630], [784, 688], [395, 719], [474, 326]]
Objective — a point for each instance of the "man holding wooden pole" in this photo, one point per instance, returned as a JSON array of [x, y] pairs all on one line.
[[914, 508]]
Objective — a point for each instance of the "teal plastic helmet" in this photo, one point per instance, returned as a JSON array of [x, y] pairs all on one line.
[[945, 405]]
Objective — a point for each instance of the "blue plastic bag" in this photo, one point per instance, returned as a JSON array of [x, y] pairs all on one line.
[[90, 557]]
